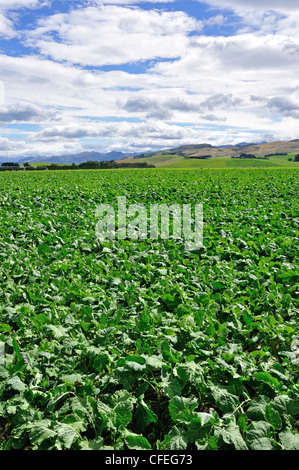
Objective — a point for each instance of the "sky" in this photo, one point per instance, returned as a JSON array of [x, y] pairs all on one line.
[[137, 76]]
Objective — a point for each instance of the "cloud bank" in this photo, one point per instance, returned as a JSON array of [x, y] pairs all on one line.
[[133, 74]]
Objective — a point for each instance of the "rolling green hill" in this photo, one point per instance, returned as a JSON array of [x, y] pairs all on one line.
[[208, 156], [176, 161]]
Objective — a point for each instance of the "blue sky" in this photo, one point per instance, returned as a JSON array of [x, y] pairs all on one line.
[[137, 76]]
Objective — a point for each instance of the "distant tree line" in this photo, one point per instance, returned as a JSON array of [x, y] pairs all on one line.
[[266, 157], [250, 155], [10, 166], [90, 165], [200, 157], [112, 164], [275, 154]]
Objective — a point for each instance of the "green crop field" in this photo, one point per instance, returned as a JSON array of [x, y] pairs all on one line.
[[175, 161], [141, 344]]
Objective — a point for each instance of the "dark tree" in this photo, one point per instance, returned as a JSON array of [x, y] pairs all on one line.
[[89, 165], [10, 164], [247, 155]]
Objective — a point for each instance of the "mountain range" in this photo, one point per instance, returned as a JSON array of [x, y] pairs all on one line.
[[187, 151], [69, 159]]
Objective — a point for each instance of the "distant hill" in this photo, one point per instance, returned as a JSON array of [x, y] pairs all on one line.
[[262, 148], [187, 151], [241, 144], [69, 159]]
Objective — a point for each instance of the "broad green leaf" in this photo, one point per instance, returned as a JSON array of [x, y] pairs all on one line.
[[191, 372], [67, 434], [224, 400], [76, 421], [16, 348], [247, 317], [121, 416], [122, 403], [133, 366], [4, 374], [273, 417], [72, 378], [144, 416], [116, 281], [257, 408], [286, 405], [261, 443], [289, 440], [105, 413], [181, 408], [94, 444], [82, 405], [211, 444], [232, 435], [4, 328], [173, 388], [200, 427], [16, 383], [257, 430], [155, 362], [268, 379], [41, 431], [176, 439], [58, 332], [136, 442]]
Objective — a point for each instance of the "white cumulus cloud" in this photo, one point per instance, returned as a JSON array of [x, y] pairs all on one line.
[[112, 35]]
